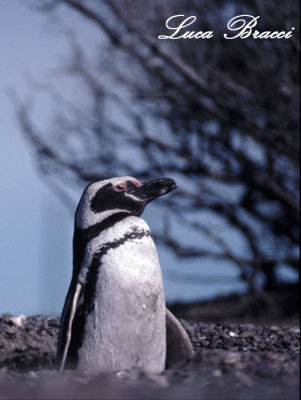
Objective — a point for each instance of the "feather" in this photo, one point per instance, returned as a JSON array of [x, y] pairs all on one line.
[[179, 347], [71, 317]]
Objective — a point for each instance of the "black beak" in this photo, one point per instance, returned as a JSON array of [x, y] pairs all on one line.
[[158, 187]]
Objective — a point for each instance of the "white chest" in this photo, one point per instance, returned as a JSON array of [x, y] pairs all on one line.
[[127, 324]]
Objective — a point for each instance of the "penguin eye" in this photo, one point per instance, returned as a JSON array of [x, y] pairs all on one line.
[[120, 187]]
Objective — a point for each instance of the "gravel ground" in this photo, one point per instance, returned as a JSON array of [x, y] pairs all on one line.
[[233, 361]]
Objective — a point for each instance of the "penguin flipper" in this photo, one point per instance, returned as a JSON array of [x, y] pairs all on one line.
[[66, 325], [179, 347]]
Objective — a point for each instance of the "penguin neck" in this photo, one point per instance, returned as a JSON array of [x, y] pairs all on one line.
[[83, 236], [86, 218]]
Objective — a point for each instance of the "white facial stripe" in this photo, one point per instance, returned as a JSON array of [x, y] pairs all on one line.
[[133, 197], [136, 182]]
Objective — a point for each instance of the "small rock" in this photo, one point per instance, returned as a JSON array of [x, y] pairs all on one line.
[[32, 374], [245, 379], [232, 357], [274, 328], [286, 342], [246, 334], [18, 321]]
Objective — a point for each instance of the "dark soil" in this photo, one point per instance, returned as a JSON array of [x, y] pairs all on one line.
[[247, 347]]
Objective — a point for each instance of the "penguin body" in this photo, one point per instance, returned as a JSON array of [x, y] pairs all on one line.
[[114, 316], [126, 327]]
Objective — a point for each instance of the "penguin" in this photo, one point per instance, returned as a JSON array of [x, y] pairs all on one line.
[[114, 316]]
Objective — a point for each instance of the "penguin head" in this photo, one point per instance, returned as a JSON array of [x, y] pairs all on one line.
[[104, 198]]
